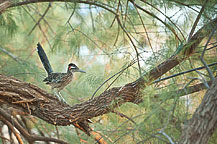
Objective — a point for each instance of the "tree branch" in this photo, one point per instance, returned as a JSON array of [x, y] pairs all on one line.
[[185, 91], [10, 55], [188, 50], [11, 122], [4, 5], [15, 4], [42, 17], [197, 19], [39, 103], [10, 126], [184, 72]]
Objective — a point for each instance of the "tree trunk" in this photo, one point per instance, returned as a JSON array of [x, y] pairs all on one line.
[[203, 124]]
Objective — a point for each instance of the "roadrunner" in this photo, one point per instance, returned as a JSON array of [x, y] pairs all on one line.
[[57, 81], [60, 80]]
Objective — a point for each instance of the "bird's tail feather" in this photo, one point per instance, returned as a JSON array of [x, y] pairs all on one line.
[[44, 59]]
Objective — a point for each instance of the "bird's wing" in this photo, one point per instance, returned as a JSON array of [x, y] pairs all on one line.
[[55, 77], [44, 59]]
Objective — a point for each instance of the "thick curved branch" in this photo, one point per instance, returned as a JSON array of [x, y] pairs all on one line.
[[15, 4], [38, 102]]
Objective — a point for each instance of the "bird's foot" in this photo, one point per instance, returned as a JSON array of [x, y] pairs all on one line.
[[60, 98]]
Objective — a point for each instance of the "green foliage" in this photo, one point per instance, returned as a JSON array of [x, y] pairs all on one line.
[[8, 25], [96, 42]]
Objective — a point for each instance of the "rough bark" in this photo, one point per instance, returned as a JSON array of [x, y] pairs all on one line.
[[204, 121], [4, 5], [38, 102]]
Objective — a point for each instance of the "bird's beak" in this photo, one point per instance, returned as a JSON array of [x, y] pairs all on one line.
[[81, 71]]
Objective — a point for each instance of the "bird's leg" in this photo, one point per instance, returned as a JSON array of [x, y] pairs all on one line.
[[56, 94], [60, 96]]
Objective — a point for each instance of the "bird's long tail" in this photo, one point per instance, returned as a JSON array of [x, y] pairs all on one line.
[[44, 59]]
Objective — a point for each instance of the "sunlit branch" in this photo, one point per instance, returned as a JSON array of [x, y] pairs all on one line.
[[181, 73], [197, 19]]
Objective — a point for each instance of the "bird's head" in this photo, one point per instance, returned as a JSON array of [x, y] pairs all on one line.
[[73, 68]]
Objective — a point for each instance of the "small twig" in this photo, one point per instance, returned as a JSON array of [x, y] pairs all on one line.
[[46, 22], [134, 46], [202, 55], [112, 77], [181, 73], [10, 55], [185, 91], [211, 47], [125, 134], [116, 39], [93, 41], [97, 136], [126, 12], [58, 135], [71, 13], [186, 85], [151, 135], [203, 80], [117, 11], [49, 5], [197, 19], [168, 137], [149, 41], [187, 5], [103, 135], [166, 17], [123, 115], [156, 17], [38, 26], [92, 19], [24, 101]]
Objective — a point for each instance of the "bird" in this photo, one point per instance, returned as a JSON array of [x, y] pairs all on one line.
[[60, 80], [57, 81]]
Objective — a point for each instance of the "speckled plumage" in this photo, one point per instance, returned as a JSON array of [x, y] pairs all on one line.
[[56, 80], [60, 80]]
